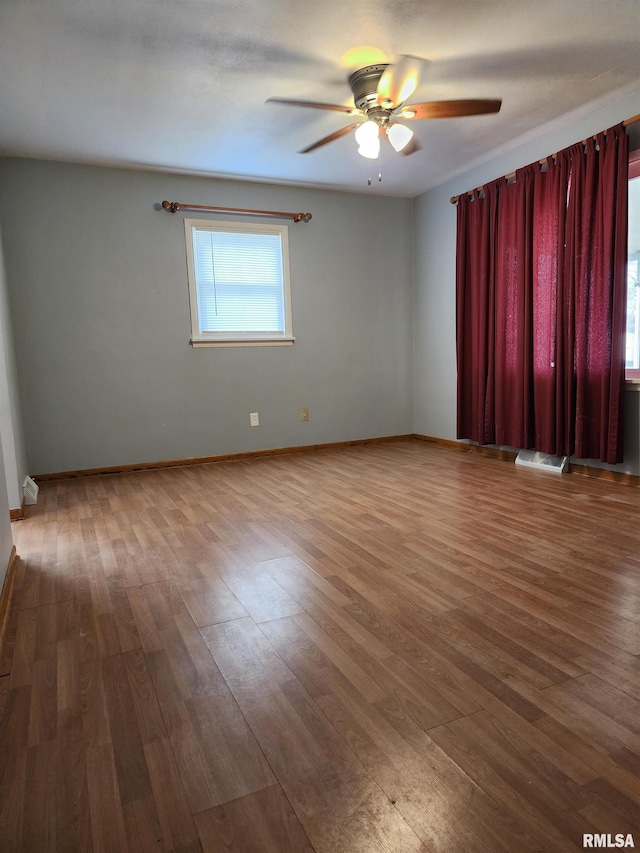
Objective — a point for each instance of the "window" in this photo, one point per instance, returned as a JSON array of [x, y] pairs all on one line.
[[633, 271], [238, 284]]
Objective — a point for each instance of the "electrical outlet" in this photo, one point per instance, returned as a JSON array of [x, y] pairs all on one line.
[[254, 419], [304, 414]]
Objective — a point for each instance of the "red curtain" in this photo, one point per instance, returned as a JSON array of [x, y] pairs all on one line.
[[541, 301]]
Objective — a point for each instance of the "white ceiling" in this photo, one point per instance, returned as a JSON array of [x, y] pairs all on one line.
[[182, 84]]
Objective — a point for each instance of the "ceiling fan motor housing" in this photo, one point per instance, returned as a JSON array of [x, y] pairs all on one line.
[[364, 85]]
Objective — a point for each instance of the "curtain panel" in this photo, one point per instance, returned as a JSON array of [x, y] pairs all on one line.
[[541, 302]]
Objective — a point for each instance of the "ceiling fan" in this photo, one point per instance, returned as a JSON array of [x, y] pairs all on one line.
[[379, 95]]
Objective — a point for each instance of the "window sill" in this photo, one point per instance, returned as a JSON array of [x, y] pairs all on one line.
[[242, 342], [632, 384]]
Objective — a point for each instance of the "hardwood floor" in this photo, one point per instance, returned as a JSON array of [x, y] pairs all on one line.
[[386, 648]]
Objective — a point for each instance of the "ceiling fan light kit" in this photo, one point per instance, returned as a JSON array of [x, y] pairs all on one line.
[[379, 92]]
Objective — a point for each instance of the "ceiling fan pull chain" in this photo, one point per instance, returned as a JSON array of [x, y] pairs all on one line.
[[369, 178]]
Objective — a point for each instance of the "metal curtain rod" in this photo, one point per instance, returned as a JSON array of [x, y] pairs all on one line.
[[173, 206], [626, 123]]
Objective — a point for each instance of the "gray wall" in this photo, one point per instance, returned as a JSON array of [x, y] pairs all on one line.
[[99, 298], [13, 449], [434, 274], [6, 540]]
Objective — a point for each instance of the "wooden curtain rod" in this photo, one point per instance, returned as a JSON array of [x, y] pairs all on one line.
[[626, 123], [173, 206]]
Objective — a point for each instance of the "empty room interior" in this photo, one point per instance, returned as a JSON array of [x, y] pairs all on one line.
[[320, 426]]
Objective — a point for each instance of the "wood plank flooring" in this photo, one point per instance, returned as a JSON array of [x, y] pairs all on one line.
[[386, 648]]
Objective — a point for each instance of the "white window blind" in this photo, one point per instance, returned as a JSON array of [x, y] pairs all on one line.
[[238, 278]]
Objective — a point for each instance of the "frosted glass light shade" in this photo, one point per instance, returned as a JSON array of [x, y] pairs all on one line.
[[399, 135], [367, 133], [370, 149]]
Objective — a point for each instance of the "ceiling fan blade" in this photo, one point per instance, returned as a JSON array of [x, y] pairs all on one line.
[[451, 109], [295, 102], [331, 138], [399, 82]]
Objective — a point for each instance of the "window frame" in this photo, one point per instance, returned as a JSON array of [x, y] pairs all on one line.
[[238, 338], [632, 375]]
